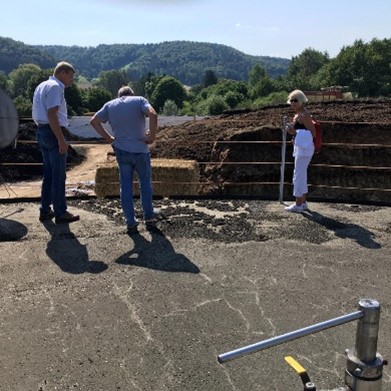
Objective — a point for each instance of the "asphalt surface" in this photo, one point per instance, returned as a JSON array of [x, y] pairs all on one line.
[[86, 307]]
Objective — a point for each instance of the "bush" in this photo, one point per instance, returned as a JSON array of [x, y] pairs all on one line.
[[216, 105], [274, 98], [170, 108], [233, 98], [23, 106]]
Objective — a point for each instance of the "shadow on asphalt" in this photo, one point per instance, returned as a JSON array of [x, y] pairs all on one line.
[[11, 230], [72, 258], [360, 235], [157, 254]]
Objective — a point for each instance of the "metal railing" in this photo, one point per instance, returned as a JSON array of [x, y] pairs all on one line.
[[280, 185]]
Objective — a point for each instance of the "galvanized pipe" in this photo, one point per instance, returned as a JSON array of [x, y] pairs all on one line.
[[283, 152], [289, 336], [368, 330]]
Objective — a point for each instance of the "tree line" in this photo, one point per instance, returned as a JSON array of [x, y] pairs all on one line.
[[363, 68], [182, 59]]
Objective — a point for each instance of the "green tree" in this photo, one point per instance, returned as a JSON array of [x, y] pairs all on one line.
[[168, 88], [113, 80], [74, 100], [216, 105], [304, 67], [95, 97], [23, 105], [257, 73], [36, 79], [209, 78], [151, 84], [224, 86], [233, 98], [363, 67], [170, 108], [260, 83], [20, 77], [3, 82], [138, 86]]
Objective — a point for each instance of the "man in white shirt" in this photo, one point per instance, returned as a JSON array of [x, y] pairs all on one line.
[[51, 116]]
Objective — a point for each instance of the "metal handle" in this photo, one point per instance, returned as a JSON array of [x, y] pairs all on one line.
[[289, 336]]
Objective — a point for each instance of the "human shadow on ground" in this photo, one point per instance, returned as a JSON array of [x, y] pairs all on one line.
[[158, 254], [360, 235], [11, 230], [65, 250]]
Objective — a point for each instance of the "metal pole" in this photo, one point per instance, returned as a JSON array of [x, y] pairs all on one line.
[[368, 330], [283, 151], [364, 369], [289, 336]]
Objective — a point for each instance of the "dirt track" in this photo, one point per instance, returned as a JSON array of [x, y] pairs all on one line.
[[80, 178]]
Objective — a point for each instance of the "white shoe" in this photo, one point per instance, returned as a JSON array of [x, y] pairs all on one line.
[[305, 205], [295, 208]]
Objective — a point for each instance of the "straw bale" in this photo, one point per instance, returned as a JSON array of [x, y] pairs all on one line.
[[170, 177]]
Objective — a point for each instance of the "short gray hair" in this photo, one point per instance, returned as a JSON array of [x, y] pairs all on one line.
[[63, 66], [125, 91], [299, 95]]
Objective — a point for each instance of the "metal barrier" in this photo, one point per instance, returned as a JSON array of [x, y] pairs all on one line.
[[283, 153], [364, 365], [265, 186]]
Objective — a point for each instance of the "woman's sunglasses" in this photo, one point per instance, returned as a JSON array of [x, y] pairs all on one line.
[[293, 100]]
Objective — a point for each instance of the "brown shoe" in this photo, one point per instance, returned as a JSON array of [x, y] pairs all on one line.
[[67, 218], [46, 216]]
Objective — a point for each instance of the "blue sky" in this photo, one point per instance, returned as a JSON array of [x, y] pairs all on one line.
[[277, 28]]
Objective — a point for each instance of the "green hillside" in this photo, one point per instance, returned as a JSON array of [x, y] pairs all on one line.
[[185, 60], [13, 53]]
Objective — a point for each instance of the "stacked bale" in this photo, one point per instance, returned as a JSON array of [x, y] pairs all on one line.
[[170, 177]]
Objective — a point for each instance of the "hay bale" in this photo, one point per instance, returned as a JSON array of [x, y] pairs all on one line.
[[107, 180], [170, 177]]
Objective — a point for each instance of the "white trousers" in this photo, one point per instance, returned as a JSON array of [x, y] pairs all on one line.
[[300, 186]]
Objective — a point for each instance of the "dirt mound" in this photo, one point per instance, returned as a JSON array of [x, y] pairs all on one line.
[[239, 152], [24, 153], [192, 139]]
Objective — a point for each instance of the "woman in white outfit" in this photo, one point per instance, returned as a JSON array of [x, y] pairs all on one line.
[[303, 128]]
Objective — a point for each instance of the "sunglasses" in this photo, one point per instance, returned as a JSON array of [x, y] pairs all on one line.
[[293, 100]]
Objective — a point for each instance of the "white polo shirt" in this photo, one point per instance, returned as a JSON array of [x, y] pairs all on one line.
[[47, 95]]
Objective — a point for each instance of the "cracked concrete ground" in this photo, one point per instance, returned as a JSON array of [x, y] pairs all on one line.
[[87, 307]]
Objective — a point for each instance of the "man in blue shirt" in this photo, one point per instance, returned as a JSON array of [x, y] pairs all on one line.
[[126, 115]]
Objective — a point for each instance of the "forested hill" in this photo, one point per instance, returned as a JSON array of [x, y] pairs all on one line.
[[185, 60], [13, 53]]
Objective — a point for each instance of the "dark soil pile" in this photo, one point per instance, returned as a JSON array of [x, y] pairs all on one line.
[[29, 153], [190, 140], [231, 164]]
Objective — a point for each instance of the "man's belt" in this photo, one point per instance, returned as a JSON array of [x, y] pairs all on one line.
[[47, 126]]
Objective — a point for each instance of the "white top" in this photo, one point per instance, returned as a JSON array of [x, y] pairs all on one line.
[[303, 144], [47, 95]]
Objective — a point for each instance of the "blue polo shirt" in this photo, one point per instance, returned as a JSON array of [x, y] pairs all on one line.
[[126, 116]]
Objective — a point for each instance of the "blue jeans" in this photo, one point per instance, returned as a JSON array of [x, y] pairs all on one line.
[[128, 163], [54, 168]]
